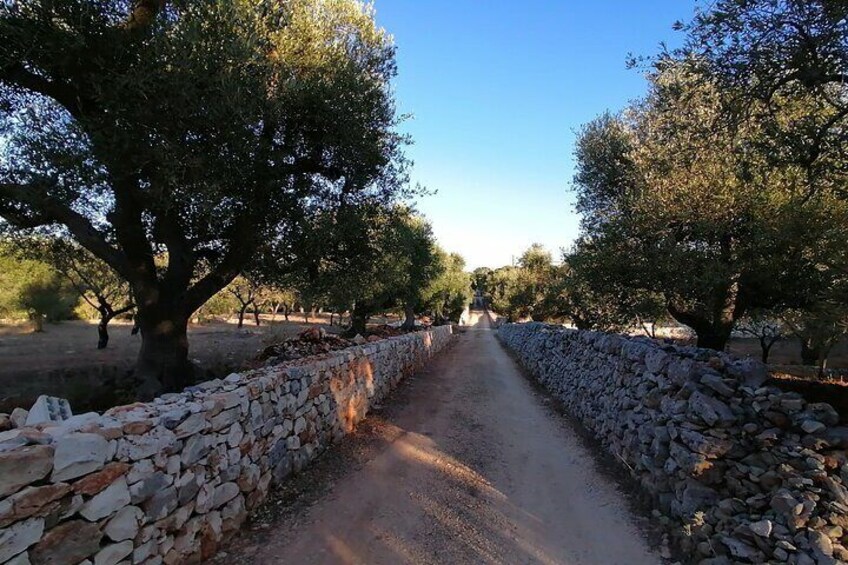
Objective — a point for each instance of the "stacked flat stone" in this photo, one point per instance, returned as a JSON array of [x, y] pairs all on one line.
[[741, 472], [168, 481]]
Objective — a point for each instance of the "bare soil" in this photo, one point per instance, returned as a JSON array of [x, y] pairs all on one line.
[[787, 353], [472, 466], [63, 360]]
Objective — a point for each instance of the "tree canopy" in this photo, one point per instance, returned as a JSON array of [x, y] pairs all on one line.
[[202, 130]]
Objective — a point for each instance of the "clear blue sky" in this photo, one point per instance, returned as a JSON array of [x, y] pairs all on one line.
[[497, 89]]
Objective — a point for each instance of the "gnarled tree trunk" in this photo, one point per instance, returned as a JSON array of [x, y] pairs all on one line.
[[809, 352], [163, 362], [359, 320], [409, 321]]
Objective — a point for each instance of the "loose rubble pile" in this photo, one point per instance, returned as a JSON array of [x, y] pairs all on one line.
[[311, 342], [167, 481], [316, 341], [742, 472], [384, 331]]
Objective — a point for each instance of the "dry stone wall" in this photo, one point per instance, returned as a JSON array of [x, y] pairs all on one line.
[[167, 481], [742, 472]]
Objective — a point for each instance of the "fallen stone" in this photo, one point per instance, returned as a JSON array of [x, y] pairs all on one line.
[[18, 417]]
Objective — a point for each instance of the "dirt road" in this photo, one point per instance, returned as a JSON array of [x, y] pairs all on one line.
[[474, 468]]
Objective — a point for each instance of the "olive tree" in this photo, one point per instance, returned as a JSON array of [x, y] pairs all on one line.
[[447, 295], [684, 204], [197, 131], [97, 284]]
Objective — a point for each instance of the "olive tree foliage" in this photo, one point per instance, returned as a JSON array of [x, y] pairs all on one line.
[[424, 263], [694, 211], [787, 63], [505, 286], [525, 290], [589, 293], [480, 283], [200, 130], [32, 288], [362, 257], [272, 298], [96, 283], [764, 325], [245, 291], [723, 190], [772, 54], [447, 295]]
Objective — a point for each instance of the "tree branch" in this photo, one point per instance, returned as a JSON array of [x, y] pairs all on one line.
[[49, 210], [18, 75], [143, 14]]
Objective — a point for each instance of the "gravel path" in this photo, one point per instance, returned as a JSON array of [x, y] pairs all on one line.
[[470, 466]]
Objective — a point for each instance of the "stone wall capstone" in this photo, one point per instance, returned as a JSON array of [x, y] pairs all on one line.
[[741, 471], [168, 481]]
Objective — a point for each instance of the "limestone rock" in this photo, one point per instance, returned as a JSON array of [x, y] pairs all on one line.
[[147, 487], [19, 536], [224, 493], [23, 466], [31, 501], [711, 410], [136, 447], [107, 502], [124, 525], [112, 554], [19, 559], [96, 482], [68, 543], [762, 528], [79, 454], [161, 504], [18, 417]]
